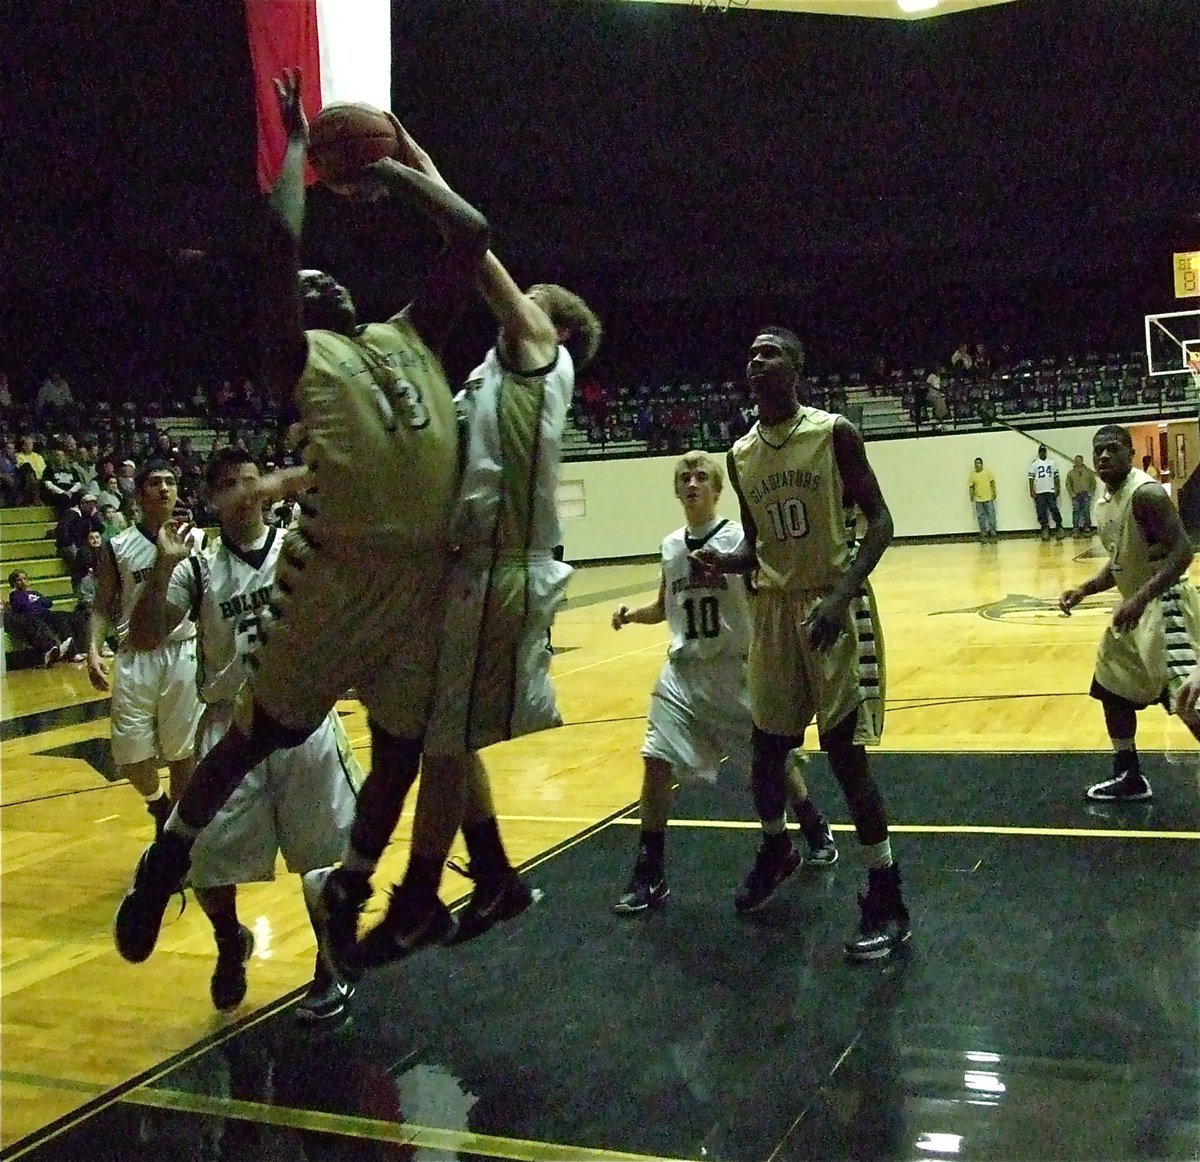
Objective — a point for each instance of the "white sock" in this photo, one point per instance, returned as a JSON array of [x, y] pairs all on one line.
[[878, 854], [176, 826]]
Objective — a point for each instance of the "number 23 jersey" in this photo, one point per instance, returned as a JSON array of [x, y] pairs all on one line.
[[232, 589], [707, 623]]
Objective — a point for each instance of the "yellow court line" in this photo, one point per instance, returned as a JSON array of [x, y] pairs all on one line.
[[657, 645], [940, 829], [375, 1130]]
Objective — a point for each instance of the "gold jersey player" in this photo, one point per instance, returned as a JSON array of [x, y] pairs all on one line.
[[356, 592], [700, 710], [1150, 649], [816, 651]]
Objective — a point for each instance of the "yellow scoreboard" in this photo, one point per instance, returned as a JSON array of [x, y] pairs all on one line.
[[1187, 275]]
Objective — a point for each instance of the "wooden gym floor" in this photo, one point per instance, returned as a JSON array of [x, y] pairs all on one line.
[[1047, 1005]]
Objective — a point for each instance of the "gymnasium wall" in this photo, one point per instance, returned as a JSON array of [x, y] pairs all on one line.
[[622, 508]]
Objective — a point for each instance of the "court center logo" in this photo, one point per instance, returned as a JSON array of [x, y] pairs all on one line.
[[1024, 609]]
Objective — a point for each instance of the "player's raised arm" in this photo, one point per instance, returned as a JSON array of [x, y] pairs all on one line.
[[274, 237]]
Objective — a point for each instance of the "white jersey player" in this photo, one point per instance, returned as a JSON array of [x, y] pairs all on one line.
[[699, 710], [299, 801], [154, 709]]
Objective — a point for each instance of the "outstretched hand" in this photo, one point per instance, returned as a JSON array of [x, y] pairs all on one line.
[[287, 89], [173, 545]]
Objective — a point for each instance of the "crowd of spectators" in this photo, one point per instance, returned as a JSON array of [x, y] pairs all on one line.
[[971, 386], [80, 460]]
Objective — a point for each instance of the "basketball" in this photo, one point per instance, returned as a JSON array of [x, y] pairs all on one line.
[[345, 138]]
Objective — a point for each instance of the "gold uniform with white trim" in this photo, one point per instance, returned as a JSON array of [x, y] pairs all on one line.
[[788, 479], [359, 589], [1155, 657]]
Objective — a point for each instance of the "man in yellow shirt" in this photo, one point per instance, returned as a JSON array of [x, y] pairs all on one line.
[[981, 485]]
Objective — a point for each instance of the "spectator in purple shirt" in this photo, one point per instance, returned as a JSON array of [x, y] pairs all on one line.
[[32, 616]]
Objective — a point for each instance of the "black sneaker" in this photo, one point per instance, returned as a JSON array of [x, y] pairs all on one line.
[[228, 984], [1129, 786], [327, 999], [500, 896], [822, 851], [883, 925], [159, 874], [160, 811], [647, 888], [773, 864], [413, 920], [343, 897]]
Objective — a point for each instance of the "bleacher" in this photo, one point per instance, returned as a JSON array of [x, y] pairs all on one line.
[[27, 543]]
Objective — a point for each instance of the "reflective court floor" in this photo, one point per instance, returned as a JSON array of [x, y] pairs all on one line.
[[1047, 1007]]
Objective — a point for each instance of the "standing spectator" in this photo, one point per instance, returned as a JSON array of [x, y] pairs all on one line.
[[53, 397], [962, 359], [981, 485], [30, 467], [32, 616], [1043, 491], [1148, 467], [128, 485], [61, 486], [1081, 485]]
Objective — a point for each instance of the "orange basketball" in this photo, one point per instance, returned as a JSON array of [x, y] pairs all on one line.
[[346, 138]]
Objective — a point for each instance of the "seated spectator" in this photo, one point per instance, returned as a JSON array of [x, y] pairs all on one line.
[[60, 485], [9, 485], [109, 493], [31, 465], [114, 521], [127, 485], [75, 526], [86, 567], [31, 615], [5, 395], [83, 460]]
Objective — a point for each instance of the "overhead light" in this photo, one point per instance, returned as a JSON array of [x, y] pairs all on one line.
[[916, 5]]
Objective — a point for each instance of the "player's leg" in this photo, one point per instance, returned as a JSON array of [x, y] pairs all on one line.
[[884, 924], [395, 762], [647, 887], [136, 680], [1128, 784], [164, 864], [416, 915], [235, 944], [822, 851], [500, 893]]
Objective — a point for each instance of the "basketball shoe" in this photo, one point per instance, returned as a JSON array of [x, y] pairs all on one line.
[[883, 925], [414, 919], [498, 895], [228, 984], [647, 888], [343, 897], [159, 874], [327, 999], [776, 860], [1128, 784], [822, 851]]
